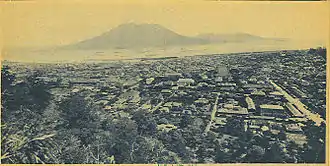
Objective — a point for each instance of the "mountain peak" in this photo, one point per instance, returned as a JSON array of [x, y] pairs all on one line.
[[135, 25], [130, 35]]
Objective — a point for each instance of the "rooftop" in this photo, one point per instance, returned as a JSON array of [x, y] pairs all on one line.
[[293, 110], [293, 128], [276, 93], [270, 106], [236, 110], [166, 127], [186, 80], [250, 103], [262, 117]]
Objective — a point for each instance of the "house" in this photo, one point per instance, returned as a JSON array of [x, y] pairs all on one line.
[[294, 111], [293, 128], [166, 127], [250, 103], [185, 82], [272, 110], [230, 109]]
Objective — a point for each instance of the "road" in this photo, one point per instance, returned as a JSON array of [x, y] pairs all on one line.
[[214, 111], [300, 106]]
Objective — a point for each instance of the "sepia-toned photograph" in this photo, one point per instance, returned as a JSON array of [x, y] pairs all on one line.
[[163, 82]]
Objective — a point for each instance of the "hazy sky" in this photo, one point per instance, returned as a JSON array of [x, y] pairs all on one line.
[[49, 24]]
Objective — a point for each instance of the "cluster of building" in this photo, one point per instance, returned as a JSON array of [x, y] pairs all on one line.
[[272, 91]]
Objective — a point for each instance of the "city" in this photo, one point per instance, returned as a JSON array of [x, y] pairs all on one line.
[[220, 108]]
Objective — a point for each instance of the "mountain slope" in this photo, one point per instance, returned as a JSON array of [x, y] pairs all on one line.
[[235, 37], [133, 35], [137, 35]]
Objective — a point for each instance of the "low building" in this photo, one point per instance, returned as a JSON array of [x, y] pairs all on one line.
[[267, 118], [185, 82], [219, 122], [166, 127], [294, 111], [250, 103], [293, 128], [173, 76], [83, 82], [164, 110], [276, 93], [298, 93], [149, 80], [258, 93], [272, 110], [230, 109], [166, 91], [201, 101], [218, 79]]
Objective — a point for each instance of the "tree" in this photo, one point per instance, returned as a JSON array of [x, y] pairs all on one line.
[[80, 117], [201, 154], [321, 52], [25, 101], [7, 78], [169, 157], [274, 154], [193, 132], [163, 121], [260, 140], [71, 150], [314, 150], [147, 150], [24, 138], [38, 91], [255, 154], [282, 135], [185, 121], [84, 136], [222, 156], [175, 142], [293, 152], [234, 126], [145, 122], [124, 136]]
